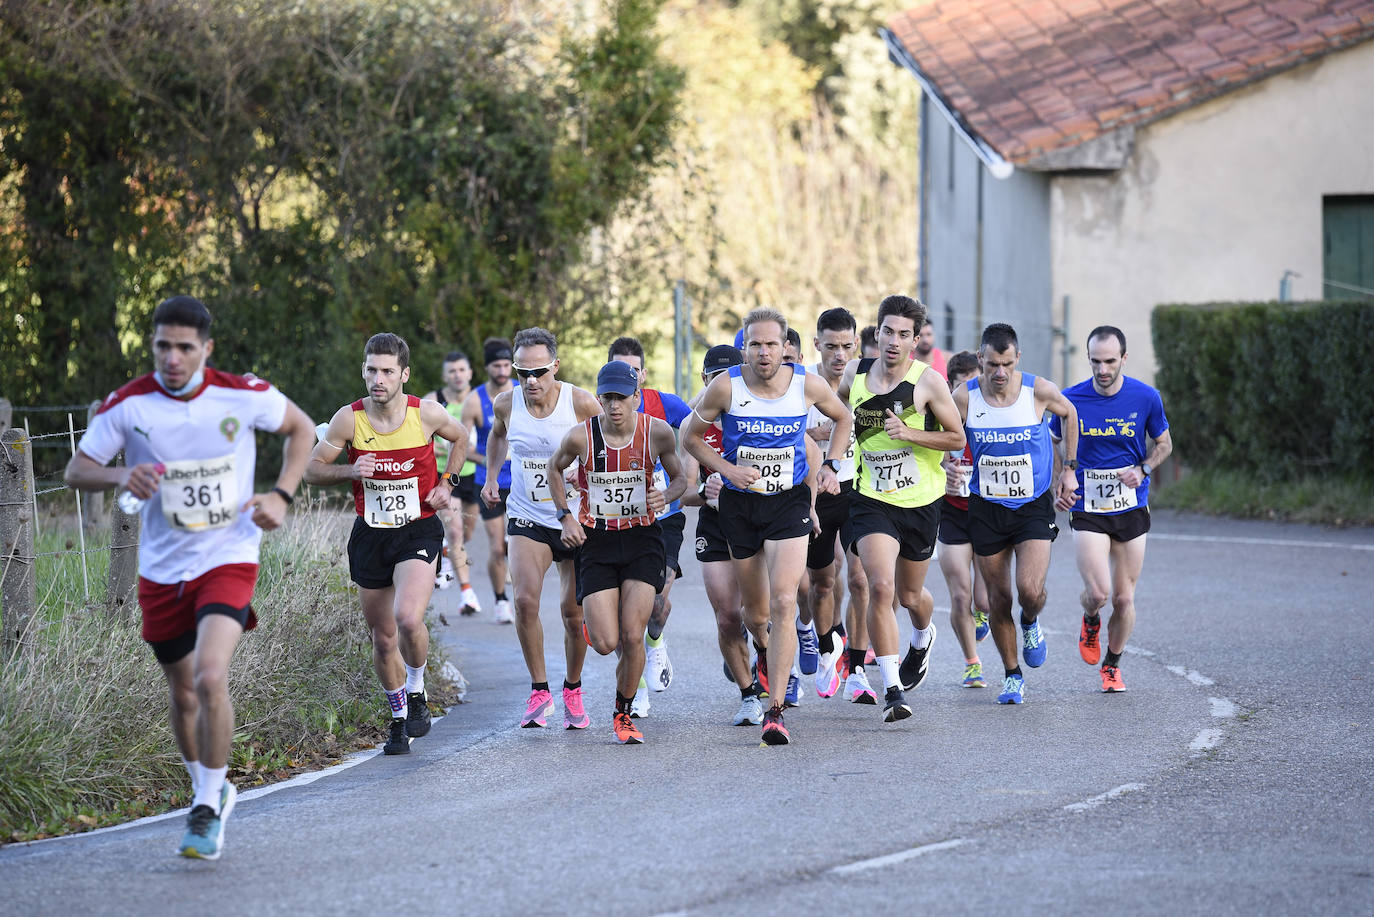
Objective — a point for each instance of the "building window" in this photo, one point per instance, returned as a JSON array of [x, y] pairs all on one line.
[[1348, 246]]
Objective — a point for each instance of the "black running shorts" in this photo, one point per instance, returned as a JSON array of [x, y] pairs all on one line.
[[992, 527], [1126, 526], [913, 527], [609, 558], [536, 532], [673, 527], [711, 545], [374, 553], [749, 519], [833, 512], [953, 523]]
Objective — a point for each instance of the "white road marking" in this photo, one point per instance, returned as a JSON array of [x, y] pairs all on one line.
[[1196, 678], [1101, 798], [1273, 542], [893, 858], [1137, 651], [1223, 707], [1206, 740]]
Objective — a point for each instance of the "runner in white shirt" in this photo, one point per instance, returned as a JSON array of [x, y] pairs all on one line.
[[187, 434]]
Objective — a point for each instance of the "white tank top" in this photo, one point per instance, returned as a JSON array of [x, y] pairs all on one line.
[[532, 442], [814, 418]]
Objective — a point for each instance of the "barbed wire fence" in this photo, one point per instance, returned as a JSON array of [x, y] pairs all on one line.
[[20, 527]]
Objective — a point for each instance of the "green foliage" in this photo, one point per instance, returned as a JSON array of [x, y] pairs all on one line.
[[1326, 499], [1246, 391], [315, 172]]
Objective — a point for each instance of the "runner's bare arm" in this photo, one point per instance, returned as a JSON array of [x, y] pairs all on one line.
[[84, 473], [472, 420], [585, 403], [663, 438], [496, 448], [269, 509], [714, 400], [1048, 394], [321, 468], [828, 403], [940, 403], [1162, 449], [573, 446], [438, 422], [960, 397]]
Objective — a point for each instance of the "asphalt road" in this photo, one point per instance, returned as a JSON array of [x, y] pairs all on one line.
[[1234, 776]]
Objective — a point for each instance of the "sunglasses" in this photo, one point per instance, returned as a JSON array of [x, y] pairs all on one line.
[[533, 373]]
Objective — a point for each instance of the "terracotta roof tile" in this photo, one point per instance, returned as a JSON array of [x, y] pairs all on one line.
[[1034, 76]]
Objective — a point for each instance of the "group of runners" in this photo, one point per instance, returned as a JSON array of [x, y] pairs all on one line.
[[805, 476]]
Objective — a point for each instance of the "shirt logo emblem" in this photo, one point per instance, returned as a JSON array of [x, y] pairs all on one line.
[[229, 426]]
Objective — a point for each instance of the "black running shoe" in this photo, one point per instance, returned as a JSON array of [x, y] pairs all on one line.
[[417, 715], [895, 706], [917, 662], [398, 744]]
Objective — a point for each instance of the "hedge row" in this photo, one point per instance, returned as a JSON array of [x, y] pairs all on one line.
[[1269, 388]]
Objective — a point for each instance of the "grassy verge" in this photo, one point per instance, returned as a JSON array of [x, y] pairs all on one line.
[[1320, 499], [83, 704]]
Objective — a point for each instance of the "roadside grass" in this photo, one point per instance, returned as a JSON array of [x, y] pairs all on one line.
[[1311, 498], [83, 704]]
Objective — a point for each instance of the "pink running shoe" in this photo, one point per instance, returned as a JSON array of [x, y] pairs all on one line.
[[537, 710], [574, 714]]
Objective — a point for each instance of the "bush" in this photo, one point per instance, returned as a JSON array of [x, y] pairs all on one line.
[[1278, 390]]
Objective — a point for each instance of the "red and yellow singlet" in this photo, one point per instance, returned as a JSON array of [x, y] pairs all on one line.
[[405, 472]]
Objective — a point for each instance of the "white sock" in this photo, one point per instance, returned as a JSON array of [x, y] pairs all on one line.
[[211, 783], [396, 703], [193, 768], [415, 679], [805, 628], [888, 666], [920, 637]]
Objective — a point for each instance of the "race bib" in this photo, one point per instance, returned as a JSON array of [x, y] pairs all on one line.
[[390, 504], [891, 471], [534, 472], [775, 468], [962, 470], [1005, 477], [617, 494], [660, 479], [200, 494], [1103, 492]]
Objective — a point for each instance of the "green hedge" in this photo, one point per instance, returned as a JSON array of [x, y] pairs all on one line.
[[1275, 389]]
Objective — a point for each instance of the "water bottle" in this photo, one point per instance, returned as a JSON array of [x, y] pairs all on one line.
[[132, 505]]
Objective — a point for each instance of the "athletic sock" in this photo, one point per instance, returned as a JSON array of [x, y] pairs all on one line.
[[973, 660], [888, 666], [804, 628], [839, 629], [193, 768], [1093, 619], [751, 691], [920, 637], [211, 784], [539, 686], [856, 658], [652, 641], [463, 585], [1014, 671], [571, 685], [1112, 659], [761, 650], [415, 679], [622, 703], [1024, 623], [654, 632], [396, 703], [827, 641], [501, 596]]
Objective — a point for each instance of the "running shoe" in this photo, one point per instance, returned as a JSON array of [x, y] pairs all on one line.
[[794, 692], [1088, 646], [537, 710], [503, 612], [397, 743], [1033, 648], [808, 650], [895, 706], [1013, 690], [973, 675], [761, 669], [980, 625], [870, 657], [917, 662], [574, 714], [774, 731], [658, 668], [417, 715], [470, 604], [750, 712], [858, 690], [827, 678], [1111, 680], [204, 837], [626, 733], [443, 579], [639, 707]]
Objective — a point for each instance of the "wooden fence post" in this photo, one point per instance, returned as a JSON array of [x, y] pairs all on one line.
[[17, 587], [94, 502], [124, 534]]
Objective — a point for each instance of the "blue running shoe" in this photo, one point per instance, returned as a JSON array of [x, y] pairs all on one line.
[[1013, 690], [794, 691], [808, 651], [1033, 645], [980, 625]]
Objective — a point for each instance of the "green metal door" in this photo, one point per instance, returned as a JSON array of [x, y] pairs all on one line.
[[1348, 246]]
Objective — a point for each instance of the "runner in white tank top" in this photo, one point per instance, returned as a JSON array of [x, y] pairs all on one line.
[[530, 421]]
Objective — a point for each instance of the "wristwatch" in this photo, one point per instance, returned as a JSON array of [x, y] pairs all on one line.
[[1071, 463], [1145, 469], [832, 464], [564, 512]]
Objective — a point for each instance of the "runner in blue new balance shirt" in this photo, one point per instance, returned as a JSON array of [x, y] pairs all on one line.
[[1010, 508], [658, 669], [762, 406], [1117, 415]]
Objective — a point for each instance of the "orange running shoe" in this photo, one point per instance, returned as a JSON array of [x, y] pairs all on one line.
[[1111, 680], [626, 732], [1088, 647]]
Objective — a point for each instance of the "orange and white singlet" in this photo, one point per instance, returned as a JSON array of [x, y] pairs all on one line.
[[614, 482]]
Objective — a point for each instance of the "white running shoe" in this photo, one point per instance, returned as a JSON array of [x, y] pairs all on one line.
[[658, 668], [470, 604], [503, 612], [639, 707], [750, 712], [858, 690], [827, 674]]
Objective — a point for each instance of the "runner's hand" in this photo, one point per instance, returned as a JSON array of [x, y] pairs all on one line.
[[741, 475], [269, 510], [1068, 489], [365, 466], [893, 426], [827, 481], [439, 497], [491, 494], [714, 482], [1131, 477], [573, 533], [655, 500], [142, 479]]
